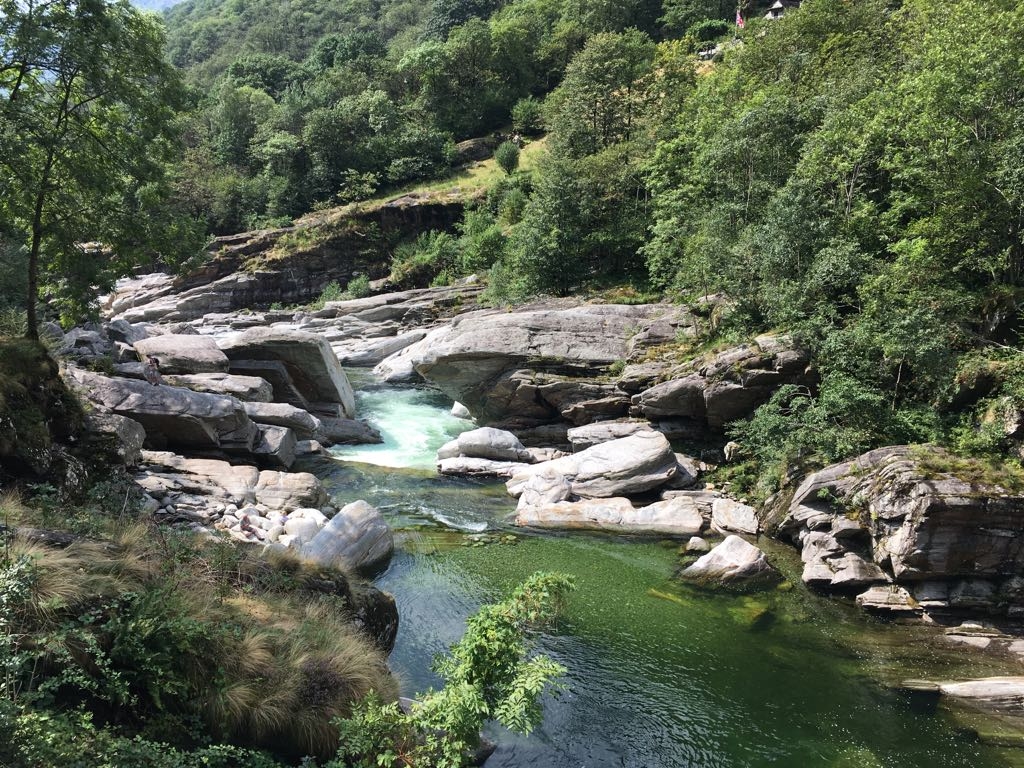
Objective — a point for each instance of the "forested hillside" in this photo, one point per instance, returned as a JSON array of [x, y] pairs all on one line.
[[309, 104], [849, 173]]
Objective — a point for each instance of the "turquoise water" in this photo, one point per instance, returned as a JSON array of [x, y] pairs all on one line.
[[659, 675]]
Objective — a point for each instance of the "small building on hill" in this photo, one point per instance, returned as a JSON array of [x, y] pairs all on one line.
[[779, 7]]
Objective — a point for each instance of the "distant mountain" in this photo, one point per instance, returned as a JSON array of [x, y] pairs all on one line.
[[154, 5]]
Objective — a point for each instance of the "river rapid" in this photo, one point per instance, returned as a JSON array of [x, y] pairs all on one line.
[[659, 675]]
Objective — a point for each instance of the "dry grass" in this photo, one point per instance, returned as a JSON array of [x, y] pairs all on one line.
[[275, 663]]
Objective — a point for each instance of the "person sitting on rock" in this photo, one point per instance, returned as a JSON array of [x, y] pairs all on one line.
[[151, 371]]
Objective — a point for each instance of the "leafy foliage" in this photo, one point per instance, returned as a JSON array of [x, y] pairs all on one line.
[[87, 124], [487, 676]]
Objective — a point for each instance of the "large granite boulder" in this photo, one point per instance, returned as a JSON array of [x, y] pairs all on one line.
[[916, 517], [183, 354], [346, 431], [357, 537], [308, 359], [674, 517], [486, 443], [623, 467], [733, 561], [733, 517], [172, 416], [530, 367]]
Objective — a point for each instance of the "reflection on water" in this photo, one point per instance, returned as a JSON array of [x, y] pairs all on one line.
[[660, 676]]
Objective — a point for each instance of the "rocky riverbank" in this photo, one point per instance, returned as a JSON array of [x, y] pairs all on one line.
[[579, 407]]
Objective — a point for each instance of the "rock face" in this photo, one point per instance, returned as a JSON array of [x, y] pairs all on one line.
[[308, 359], [673, 518], [183, 354], [171, 415], [895, 516], [357, 537], [733, 561], [532, 367], [626, 466], [728, 386]]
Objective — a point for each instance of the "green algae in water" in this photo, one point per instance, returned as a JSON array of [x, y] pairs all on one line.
[[660, 676]]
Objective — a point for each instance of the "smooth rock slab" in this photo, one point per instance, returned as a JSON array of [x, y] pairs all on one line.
[[671, 518], [469, 467], [486, 443], [357, 537], [304, 424], [735, 560], [183, 354], [246, 388], [621, 467], [171, 415]]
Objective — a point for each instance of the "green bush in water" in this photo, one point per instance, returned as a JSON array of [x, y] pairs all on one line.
[[487, 677]]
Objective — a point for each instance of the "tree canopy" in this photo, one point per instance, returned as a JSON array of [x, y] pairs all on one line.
[[87, 109]]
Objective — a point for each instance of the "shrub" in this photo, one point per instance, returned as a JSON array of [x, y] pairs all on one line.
[[507, 156], [488, 676], [528, 116], [358, 287], [431, 258]]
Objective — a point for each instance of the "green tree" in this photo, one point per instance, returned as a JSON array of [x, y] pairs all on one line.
[[87, 112], [601, 99], [507, 156]]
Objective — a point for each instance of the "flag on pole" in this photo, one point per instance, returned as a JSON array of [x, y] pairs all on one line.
[[739, 19]]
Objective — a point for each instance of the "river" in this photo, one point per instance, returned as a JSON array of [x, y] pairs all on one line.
[[659, 675]]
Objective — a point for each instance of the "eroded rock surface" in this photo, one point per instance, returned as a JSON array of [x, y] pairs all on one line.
[[894, 515]]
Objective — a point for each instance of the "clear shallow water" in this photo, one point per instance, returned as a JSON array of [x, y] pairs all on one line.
[[659, 675]]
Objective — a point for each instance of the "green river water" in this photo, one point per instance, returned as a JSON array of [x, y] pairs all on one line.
[[659, 674]]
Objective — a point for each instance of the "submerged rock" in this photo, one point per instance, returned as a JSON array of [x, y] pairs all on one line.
[[733, 561]]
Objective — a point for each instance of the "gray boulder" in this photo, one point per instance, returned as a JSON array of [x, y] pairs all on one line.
[[486, 443], [308, 358], [304, 424], [530, 367], [735, 560], [275, 447], [346, 432], [626, 466], [183, 354], [172, 416], [463, 466], [730, 516], [356, 537]]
